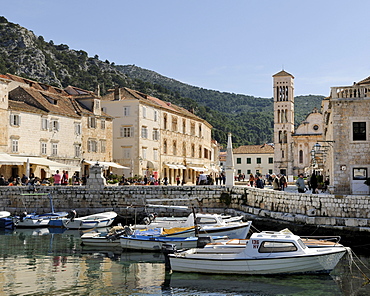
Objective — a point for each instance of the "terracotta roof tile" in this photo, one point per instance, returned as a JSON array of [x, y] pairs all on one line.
[[254, 149]]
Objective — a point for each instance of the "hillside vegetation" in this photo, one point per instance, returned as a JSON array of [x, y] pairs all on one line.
[[248, 118]]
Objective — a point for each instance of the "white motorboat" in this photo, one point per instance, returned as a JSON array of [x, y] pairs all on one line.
[[264, 253], [6, 220], [209, 224], [111, 237], [104, 219]]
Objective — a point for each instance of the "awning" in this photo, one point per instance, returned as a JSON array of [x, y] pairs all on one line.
[[52, 165], [6, 159], [180, 166], [171, 166], [198, 169], [106, 164]]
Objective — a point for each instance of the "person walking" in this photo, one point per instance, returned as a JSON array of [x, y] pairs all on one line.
[[251, 180], [300, 184], [283, 182], [57, 178], [313, 182], [275, 182]]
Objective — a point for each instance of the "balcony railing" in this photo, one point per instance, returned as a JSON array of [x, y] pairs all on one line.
[[345, 92]]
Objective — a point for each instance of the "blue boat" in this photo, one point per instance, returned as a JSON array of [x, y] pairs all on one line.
[[6, 221]]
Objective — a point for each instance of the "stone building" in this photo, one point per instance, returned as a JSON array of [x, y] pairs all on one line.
[[44, 127], [254, 159], [158, 138], [346, 143]]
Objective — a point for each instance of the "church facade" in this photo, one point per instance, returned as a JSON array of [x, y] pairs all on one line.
[[334, 142]]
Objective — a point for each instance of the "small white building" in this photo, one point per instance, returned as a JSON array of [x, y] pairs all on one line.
[[254, 159]]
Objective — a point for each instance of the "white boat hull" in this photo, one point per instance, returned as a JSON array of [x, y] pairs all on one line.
[[322, 262], [29, 222], [239, 230], [155, 245], [91, 221]]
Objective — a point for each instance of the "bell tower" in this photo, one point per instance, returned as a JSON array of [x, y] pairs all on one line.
[[4, 117], [283, 122]]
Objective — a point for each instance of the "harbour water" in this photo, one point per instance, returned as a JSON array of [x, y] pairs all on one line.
[[45, 262]]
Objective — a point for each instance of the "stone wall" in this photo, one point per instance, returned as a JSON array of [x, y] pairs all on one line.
[[320, 210]]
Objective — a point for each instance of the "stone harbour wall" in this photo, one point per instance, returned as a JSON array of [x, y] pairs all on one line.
[[322, 210]]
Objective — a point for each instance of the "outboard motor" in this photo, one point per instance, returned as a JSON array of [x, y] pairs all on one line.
[[202, 241], [166, 250], [22, 216], [72, 215]]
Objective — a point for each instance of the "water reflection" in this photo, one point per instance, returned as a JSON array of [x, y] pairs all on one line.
[[44, 262]]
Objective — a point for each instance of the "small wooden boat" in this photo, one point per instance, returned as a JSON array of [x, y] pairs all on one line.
[[111, 238], [264, 253], [104, 219]]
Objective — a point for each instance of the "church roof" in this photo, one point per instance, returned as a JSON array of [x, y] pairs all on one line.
[[283, 73], [364, 81]]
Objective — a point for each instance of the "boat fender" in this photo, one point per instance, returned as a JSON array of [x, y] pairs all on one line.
[[166, 250], [146, 220]]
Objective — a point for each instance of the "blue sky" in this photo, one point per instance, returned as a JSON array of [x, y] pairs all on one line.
[[231, 46]]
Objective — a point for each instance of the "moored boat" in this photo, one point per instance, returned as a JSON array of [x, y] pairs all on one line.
[[264, 253], [6, 220], [104, 219]]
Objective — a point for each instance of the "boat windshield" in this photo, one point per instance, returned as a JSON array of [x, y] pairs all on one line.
[[277, 247], [302, 244]]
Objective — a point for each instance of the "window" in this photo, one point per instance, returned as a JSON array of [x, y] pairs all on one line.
[[248, 172], [15, 120], [144, 112], [270, 171], [282, 153], [77, 150], [200, 152], [144, 132], [43, 148], [238, 160], [192, 150], [155, 134], [143, 152], [15, 145], [300, 156], [183, 126], [271, 160], [55, 125], [155, 115], [277, 247], [200, 130], [192, 129], [183, 148], [127, 153], [126, 111], [174, 148], [92, 146], [359, 173], [54, 149], [103, 146], [165, 146], [91, 122], [126, 132], [44, 124], [205, 153], [239, 172], [249, 160], [259, 161], [165, 121], [77, 128], [155, 154], [174, 124], [359, 131], [102, 123]]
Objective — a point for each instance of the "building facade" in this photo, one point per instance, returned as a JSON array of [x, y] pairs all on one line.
[[254, 159], [160, 139]]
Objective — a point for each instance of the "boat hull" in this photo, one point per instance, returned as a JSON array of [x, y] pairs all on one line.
[[155, 243], [322, 262], [91, 221]]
